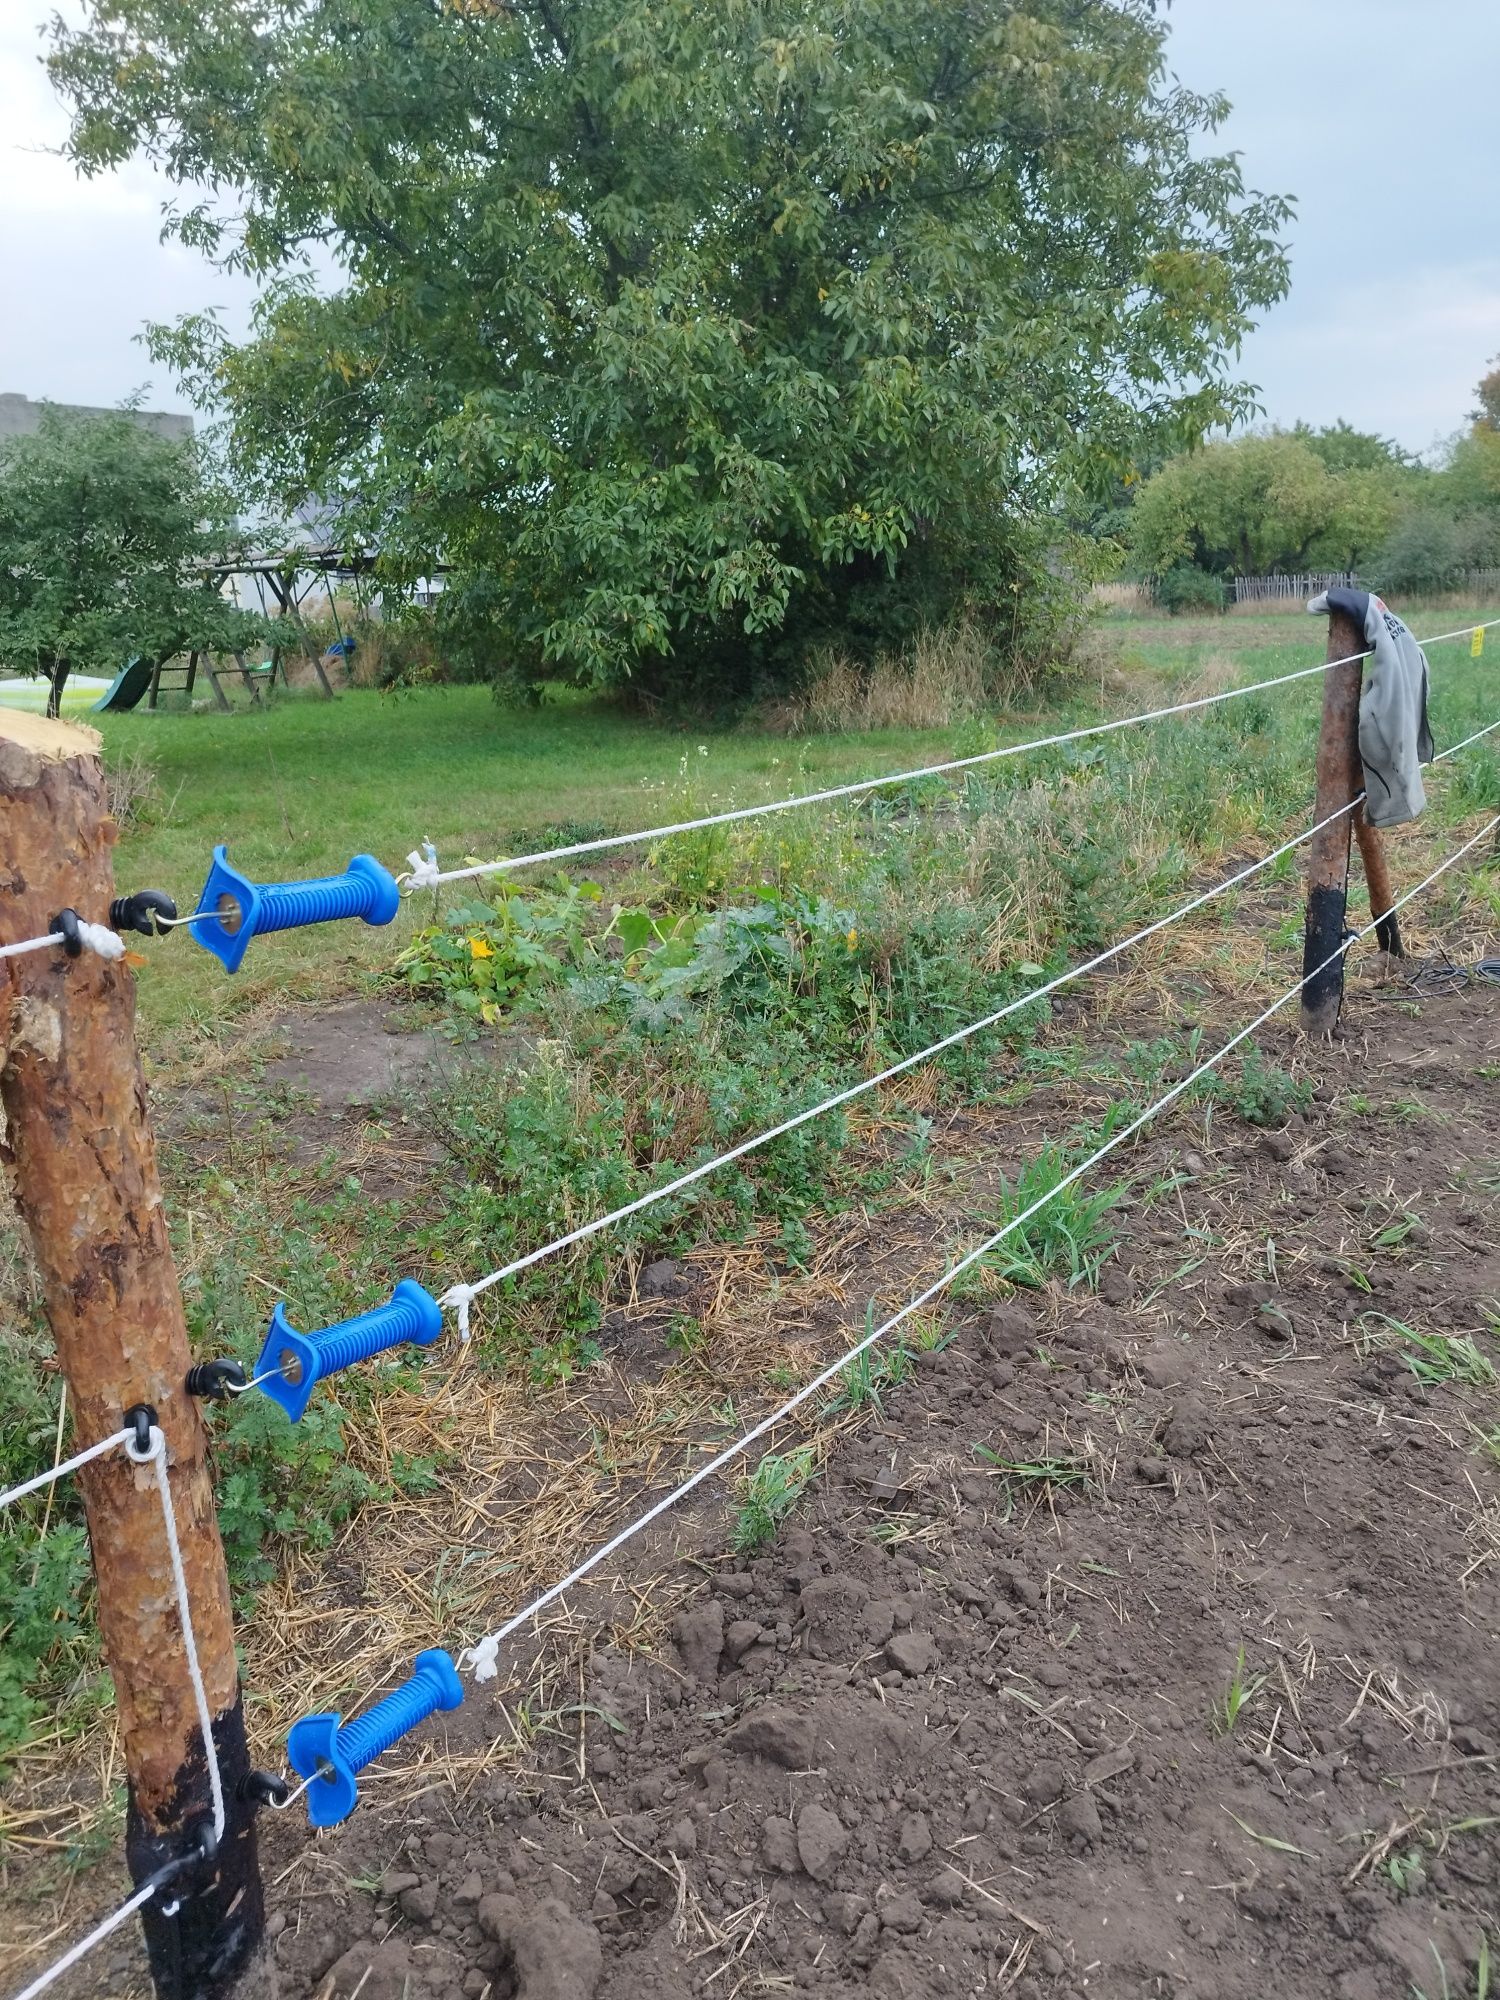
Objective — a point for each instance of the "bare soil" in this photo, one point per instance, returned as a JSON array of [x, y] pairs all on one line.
[[1202, 1706], [967, 1731]]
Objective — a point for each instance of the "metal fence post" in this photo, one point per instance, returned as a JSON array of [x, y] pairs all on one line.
[[82, 1161]]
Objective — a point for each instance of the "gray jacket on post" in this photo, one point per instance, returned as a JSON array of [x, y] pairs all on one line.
[[1394, 740]]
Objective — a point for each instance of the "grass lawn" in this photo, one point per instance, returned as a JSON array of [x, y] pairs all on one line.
[[298, 787]]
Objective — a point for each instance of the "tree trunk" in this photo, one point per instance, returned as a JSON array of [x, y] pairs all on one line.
[[82, 1162]]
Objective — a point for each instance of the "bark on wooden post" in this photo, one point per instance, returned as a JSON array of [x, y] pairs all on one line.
[[82, 1163], [1340, 777], [1378, 881]]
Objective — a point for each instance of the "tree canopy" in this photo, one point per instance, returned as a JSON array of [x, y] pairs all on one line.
[[103, 529], [1342, 448], [675, 327], [1487, 416], [1266, 501]]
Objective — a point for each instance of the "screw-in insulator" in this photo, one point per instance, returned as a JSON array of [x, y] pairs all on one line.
[[264, 1788], [134, 913], [215, 1381]]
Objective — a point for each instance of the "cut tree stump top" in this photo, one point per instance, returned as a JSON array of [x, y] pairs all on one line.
[[29, 742]]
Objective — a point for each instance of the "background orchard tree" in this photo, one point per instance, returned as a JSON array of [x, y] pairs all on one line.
[[1267, 501], [692, 334], [104, 528]]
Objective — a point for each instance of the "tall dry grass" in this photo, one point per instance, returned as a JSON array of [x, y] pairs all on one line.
[[944, 678], [1124, 596]]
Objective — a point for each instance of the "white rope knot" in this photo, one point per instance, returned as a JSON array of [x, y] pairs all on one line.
[[482, 1658], [422, 867], [156, 1446], [457, 1299], [101, 940], [97, 938]]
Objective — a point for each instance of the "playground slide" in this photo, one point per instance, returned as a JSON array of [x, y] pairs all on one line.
[[129, 684]]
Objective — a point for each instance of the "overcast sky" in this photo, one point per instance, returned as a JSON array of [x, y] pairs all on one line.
[[1375, 114]]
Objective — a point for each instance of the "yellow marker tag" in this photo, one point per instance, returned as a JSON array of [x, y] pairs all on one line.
[[1476, 644]]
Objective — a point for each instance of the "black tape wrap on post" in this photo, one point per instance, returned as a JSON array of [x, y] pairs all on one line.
[[1326, 931]]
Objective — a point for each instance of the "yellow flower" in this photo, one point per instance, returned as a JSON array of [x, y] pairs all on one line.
[[480, 948], [852, 939]]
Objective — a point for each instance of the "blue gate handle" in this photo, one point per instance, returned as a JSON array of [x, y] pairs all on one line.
[[333, 1753], [292, 1364], [233, 909]]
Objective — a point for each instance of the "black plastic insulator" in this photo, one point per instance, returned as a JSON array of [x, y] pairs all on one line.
[[66, 921], [139, 1418], [134, 913], [215, 1381], [196, 1859], [264, 1788]]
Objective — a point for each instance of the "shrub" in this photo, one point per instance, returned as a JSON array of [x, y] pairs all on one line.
[[1430, 550], [1187, 588]]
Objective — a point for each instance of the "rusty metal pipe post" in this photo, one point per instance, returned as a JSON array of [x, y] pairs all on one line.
[[80, 1156], [1339, 779]]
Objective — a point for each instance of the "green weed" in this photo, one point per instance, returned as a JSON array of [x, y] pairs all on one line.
[[1037, 1477], [1406, 1870], [770, 1493], [47, 1646], [686, 1335], [1397, 1233], [1262, 1094], [869, 1375], [487, 956], [1070, 1237], [1236, 1698], [1437, 1357]]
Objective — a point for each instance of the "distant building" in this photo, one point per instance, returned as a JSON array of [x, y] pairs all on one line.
[[19, 417]]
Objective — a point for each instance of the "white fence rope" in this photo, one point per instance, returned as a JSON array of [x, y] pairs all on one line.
[[425, 874], [460, 1297], [97, 938], [156, 1455], [68, 1465], [85, 1945], [483, 1655]]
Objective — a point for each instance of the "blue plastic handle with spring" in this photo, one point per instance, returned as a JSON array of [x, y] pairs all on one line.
[[233, 909], [292, 1364], [333, 1753]]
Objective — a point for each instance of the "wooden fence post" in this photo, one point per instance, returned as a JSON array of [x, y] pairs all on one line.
[[1338, 781], [82, 1162], [1340, 778]]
